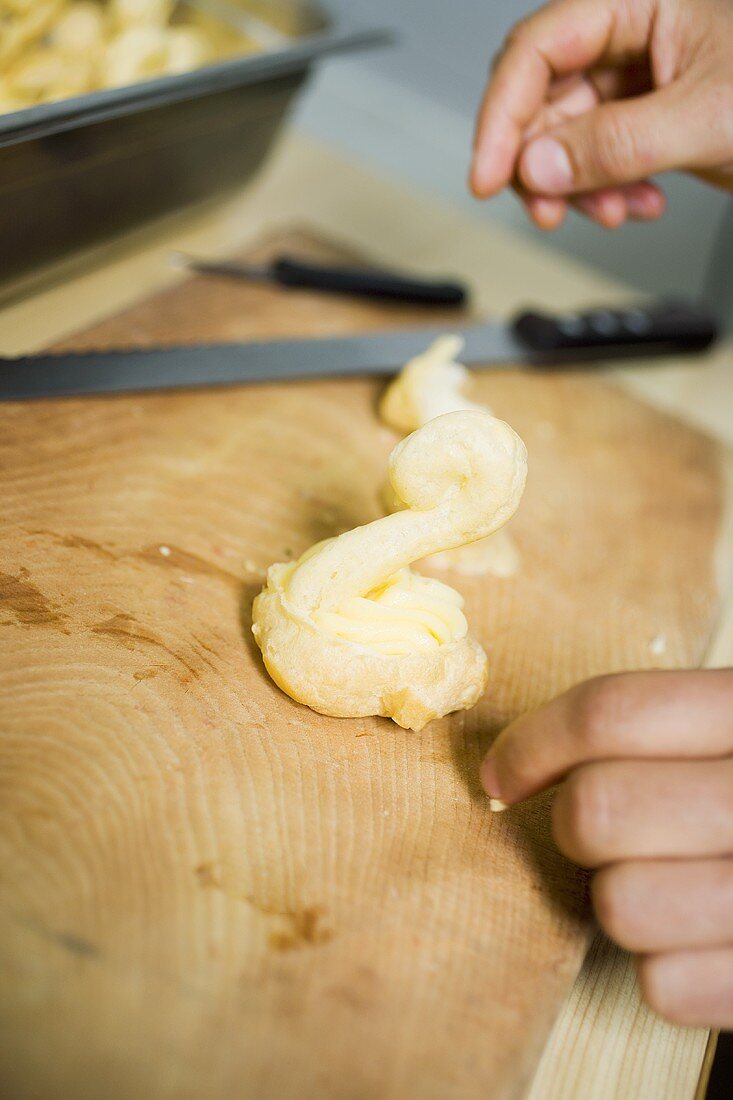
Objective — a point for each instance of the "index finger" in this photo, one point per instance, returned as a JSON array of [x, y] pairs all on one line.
[[566, 36], [649, 715]]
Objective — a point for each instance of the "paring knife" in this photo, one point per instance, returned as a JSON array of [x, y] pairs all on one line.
[[365, 282], [535, 338]]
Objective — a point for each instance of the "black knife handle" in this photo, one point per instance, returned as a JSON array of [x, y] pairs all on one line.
[[677, 327], [367, 282]]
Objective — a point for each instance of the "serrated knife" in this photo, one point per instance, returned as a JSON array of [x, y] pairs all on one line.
[[532, 337]]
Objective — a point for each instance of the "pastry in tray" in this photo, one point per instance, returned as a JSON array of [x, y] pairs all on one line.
[[55, 49]]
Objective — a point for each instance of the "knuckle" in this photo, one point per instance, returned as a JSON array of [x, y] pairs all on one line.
[[617, 148], [520, 33], [597, 709], [726, 774], [615, 905], [653, 990], [720, 912], [720, 113], [713, 793], [580, 815], [608, 901], [725, 794], [660, 989]]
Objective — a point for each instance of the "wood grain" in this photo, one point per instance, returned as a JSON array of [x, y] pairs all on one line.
[[209, 890], [641, 1057]]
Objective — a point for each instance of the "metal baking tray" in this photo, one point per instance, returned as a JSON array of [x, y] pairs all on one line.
[[82, 170]]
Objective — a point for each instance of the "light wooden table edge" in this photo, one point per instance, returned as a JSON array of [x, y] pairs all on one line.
[[721, 653], [552, 1077], [347, 202], [707, 1065]]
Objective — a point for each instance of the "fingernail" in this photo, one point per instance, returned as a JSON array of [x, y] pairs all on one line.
[[490, 783], [546, 167]]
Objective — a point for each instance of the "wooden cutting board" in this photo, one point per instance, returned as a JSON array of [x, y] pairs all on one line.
[[207, 890]]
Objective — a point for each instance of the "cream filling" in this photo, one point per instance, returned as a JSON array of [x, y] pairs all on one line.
[[407, 613]]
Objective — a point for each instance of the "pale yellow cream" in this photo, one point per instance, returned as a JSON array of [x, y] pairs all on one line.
[[406, 613]]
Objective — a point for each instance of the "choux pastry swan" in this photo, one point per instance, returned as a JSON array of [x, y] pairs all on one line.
[[428, 386], [350, 630]]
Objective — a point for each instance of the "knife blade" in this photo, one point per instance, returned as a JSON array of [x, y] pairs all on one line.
[[532, 337]]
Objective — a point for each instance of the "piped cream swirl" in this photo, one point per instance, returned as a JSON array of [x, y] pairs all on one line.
[[406, 613]]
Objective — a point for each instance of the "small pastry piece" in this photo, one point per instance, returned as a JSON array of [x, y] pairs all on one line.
[[79, 30], [10, 100], [428, 386], [24, 7], [186, 48], [135, 13], [37, 73], [350, 630], [22, 24], [138, 53]]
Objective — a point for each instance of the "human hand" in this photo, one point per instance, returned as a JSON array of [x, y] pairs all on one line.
[[645, 766], [590, 97]]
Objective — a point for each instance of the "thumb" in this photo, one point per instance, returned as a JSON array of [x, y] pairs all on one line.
[[618, 143]]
